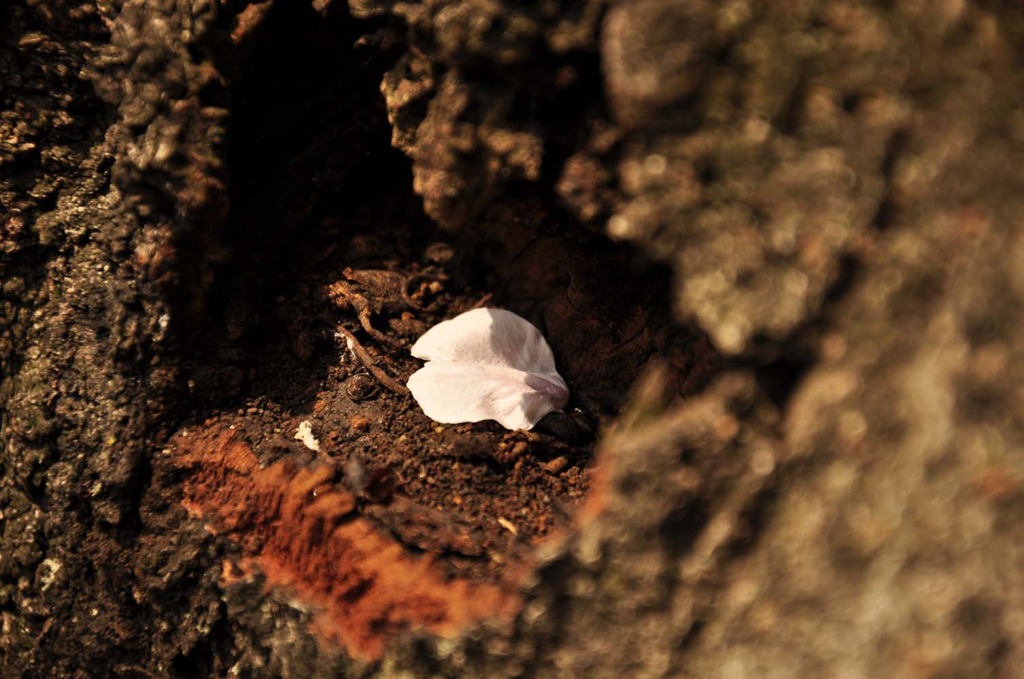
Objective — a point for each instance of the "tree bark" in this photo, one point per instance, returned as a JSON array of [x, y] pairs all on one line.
[[775, 247]]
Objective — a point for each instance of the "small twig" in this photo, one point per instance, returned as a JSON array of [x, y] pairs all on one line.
[[121, 669], [483, 301], [411, 301], [364, 357]]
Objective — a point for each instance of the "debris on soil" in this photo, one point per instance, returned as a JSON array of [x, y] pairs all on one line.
[[304, 434]]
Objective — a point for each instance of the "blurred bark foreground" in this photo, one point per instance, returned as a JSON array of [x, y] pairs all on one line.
[[836, 188]]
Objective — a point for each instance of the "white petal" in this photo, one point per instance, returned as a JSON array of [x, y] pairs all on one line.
[[487, 337], [305, 434], [487, 364]]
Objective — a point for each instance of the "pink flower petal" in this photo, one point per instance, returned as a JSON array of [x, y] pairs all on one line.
[[487, 364]]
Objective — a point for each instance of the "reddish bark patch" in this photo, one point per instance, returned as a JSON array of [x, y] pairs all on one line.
[[306, 535]]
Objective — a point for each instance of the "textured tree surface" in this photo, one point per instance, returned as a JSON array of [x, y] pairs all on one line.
[[777, 250]]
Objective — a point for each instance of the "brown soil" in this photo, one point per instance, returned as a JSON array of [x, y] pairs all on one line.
[[457, 508]]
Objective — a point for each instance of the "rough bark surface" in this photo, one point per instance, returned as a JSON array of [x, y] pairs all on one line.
[[835, 187]]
